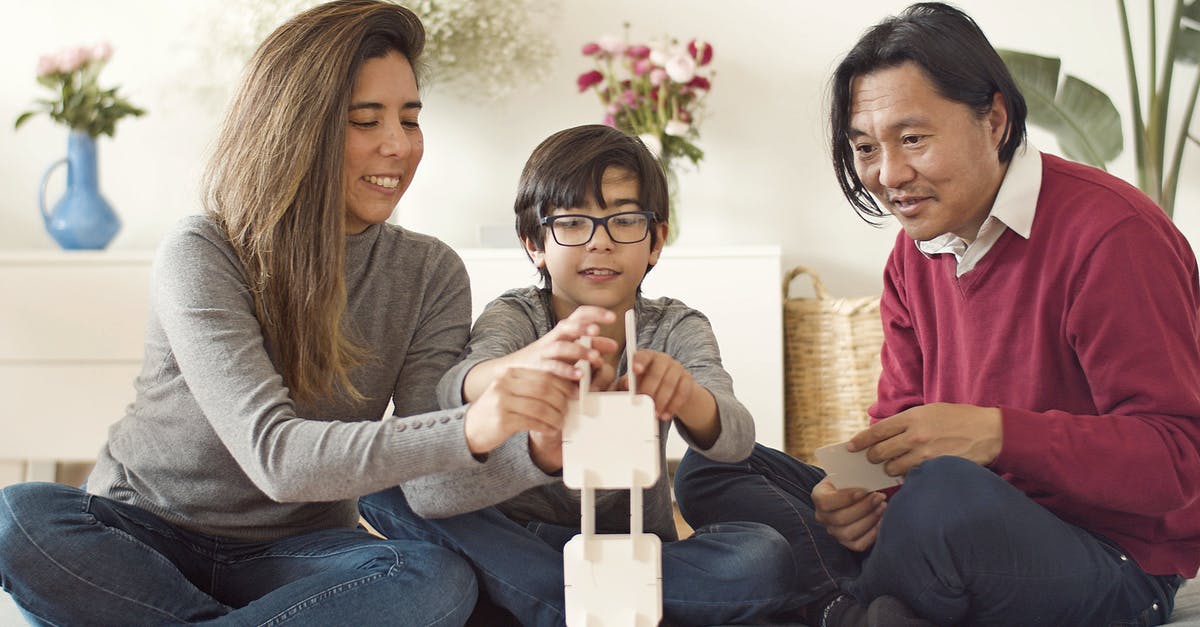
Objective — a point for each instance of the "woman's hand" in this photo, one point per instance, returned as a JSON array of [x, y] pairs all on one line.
[[520, 399], [545, 449]]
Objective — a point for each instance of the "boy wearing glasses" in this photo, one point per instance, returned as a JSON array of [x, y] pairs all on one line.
[[591, 211]]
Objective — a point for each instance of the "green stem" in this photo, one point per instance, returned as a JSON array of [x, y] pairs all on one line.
[[1139, 128], [1152, 5], [1168, 202], [1158, 126]]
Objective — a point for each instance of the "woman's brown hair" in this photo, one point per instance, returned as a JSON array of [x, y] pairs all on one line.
[[275, 182]]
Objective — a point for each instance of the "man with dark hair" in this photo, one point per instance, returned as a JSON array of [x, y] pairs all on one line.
[[1040, 392]]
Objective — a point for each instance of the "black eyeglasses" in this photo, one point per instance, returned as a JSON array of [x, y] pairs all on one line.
[[627, 227]]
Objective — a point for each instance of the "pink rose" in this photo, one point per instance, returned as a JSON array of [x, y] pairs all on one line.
[[590, 48], [658, 76], [72, 59], [681, 68], [642, 67], [699, 82], [47, 65], [629, 98], [701, 51], [102, 51], [637, 52], [610, 120], [587, 79], [611, 45]]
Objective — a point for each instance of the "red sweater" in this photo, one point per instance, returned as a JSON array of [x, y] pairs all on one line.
[[1086, 337]]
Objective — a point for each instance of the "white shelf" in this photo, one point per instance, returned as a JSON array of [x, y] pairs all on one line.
[[71, 334]]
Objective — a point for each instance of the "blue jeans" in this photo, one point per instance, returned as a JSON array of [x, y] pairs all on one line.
[[958, 544], [71, 558], [723, 574]]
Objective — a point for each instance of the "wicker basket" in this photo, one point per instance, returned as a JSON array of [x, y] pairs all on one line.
[[831, 365]]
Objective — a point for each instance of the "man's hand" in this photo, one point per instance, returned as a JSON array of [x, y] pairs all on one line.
[[520, 399], [920, 433], [851, 516]]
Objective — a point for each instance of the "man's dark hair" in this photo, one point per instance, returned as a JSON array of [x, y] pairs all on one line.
[[569, 165], [952, 51]]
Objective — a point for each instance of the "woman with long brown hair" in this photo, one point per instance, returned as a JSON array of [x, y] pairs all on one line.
[[282, 323]]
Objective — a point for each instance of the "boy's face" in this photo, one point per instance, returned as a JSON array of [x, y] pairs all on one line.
[[601, 272]]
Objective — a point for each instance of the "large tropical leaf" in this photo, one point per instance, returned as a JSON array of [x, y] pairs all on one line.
[[1189, 34], [1081, 117]]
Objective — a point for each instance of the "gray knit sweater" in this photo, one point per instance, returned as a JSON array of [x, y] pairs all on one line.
[[515, 320], [213, 442]]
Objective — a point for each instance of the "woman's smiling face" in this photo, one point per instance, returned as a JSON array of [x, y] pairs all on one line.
[[384, 144]]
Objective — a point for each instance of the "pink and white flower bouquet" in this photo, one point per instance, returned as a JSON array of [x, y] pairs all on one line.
[[655, 91], [77, 100]]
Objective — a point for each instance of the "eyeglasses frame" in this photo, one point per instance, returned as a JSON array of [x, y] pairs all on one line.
[[651, 220]]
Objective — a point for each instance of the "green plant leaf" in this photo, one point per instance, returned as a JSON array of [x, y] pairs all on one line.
[[1081, 117], [1189, 34], [24, 116]]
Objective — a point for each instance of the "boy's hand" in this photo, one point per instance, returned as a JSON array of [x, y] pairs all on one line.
[[520, 399], [603, 379], [558, 351], [663, 379]]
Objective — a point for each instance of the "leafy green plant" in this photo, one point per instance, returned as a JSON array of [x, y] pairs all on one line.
[[1088, 126]]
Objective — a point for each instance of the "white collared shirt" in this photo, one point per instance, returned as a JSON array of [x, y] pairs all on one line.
[[1014, 208]]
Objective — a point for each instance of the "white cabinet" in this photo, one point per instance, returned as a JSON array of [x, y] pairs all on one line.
[[71, 329]]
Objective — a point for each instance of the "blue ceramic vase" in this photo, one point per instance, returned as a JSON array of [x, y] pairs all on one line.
[[81, 219]]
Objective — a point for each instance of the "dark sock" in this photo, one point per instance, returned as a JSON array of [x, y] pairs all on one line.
[[841, 611], [886, 611]]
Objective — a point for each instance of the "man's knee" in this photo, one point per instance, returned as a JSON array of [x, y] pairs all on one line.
[[941, 496]]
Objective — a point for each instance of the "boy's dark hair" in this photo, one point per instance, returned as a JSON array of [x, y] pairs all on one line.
[[956, 56], [569, 165]]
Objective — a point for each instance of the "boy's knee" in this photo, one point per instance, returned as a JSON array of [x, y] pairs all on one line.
[[755, 548]]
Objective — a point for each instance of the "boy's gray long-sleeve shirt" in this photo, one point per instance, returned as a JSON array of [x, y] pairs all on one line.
[[213, 441], [512, 482]]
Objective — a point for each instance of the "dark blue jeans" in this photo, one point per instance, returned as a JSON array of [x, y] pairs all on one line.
[[71, 558], [725, 573], [958, 544]]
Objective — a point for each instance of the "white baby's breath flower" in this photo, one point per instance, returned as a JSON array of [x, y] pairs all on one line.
[[652, 142], [478, 50], [676, 128]]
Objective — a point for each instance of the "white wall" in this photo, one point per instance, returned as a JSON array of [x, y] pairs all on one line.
[[766, 179]]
